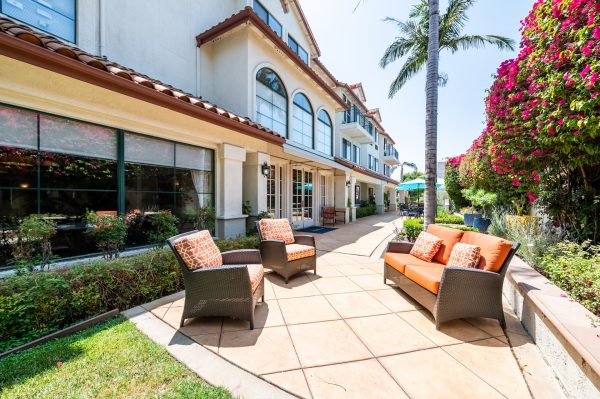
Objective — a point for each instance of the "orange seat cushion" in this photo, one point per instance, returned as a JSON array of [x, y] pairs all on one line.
[[427, 276], [450, 237], [494, 250], [256, 273], [299, 251], [399, 261], [276, 229], [198, 250]]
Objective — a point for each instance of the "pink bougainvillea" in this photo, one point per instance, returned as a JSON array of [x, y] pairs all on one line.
[[543, 109]]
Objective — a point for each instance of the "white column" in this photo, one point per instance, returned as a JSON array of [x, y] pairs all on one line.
[[379, 198], [393, 200], [230, 220], [255, 183], [352, 204], [341, 195]]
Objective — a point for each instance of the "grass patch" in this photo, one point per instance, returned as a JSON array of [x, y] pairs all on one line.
[[110, 360]]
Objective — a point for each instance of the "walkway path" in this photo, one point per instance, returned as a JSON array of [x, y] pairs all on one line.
[[344, 334]]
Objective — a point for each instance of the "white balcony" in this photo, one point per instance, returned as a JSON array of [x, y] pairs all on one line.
[[357, 127]]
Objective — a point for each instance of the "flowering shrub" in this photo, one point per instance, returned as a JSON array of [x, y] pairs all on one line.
[[541, 143]]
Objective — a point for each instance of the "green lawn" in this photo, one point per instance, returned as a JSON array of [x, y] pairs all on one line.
[[111, 360]]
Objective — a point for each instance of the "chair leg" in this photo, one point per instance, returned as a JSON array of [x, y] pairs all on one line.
[[502, 322], [182, 321], [286, 280], [262, 298]]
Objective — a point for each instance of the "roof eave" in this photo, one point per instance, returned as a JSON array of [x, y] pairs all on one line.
[[29, 53], [248, 15]]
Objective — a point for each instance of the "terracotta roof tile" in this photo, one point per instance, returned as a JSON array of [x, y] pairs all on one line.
[[12, 29]]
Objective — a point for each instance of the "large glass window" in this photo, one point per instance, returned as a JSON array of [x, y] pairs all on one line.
[[268, 18], [324, 133], [271, 196], [302, 126], [346, 149], [271, 101], [296, 48], [64, 168], [355, 154], [56, 17]]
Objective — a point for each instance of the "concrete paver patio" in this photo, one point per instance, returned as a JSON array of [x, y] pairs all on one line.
[[343, 333]]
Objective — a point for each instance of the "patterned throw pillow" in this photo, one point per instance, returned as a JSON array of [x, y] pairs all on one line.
[[276, 229], [198, 250], [426, 246], [465, 255]]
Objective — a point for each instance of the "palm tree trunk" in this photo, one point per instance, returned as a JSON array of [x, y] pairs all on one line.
[[431, 105]]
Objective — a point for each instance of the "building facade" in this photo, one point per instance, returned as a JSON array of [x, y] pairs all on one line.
[[148, 105]]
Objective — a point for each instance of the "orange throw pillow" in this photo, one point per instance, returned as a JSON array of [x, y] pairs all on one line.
[[465, 255], [494, 250], [426, 246], [198, 250], [276, 229]]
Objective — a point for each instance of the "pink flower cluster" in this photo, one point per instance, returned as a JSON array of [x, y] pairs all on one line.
[[543, 106]]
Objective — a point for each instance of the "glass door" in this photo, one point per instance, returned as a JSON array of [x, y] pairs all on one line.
[[302, 198]]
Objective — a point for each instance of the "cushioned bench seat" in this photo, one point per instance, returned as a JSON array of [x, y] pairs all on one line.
[[451, 292]]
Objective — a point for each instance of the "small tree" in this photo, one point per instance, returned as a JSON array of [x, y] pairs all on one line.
[[205, 218], [480, 199], [163, 225], [108, 232], [33, 245]]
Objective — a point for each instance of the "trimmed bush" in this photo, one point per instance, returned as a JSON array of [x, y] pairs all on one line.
[[412, 227], [35, 304], [575, 269], [365, 210]]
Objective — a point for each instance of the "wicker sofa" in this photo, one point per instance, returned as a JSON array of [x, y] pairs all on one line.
[[231, 290], [451, 293], [284, 259]]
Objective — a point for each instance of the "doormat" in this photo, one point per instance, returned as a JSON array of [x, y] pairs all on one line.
[[317, 229]]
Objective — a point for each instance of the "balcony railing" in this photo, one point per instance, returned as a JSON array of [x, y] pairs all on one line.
[[353, 115], [390, 151]]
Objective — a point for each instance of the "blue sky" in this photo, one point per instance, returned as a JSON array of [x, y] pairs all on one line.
[[352, 43]]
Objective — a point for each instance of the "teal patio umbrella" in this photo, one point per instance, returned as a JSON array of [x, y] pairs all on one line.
[[415, 184]]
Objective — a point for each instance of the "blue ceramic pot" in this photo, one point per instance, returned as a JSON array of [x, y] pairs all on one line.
[[482, 224], [470, 217]]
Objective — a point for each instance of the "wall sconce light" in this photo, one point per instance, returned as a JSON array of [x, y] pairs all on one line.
[[265, 169], [347, 183]]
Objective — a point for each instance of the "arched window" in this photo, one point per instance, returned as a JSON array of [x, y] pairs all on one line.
[[324, 133], [302, 125], [271, 101]]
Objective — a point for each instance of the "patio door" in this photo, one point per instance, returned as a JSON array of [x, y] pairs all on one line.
[[302, 198]]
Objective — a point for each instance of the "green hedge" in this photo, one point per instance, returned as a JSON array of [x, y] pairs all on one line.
[[367, 210], [575, 269], [35, 304], [412, 227]]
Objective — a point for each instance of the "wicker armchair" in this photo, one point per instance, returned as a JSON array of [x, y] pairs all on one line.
[[222, 290], [329, 215], [463, 292], [274, 254]]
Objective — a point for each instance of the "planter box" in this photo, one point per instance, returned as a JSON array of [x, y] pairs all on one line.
[[567, 334]]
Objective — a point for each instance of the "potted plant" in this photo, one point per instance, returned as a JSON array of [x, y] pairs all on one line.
[[482, 200], [469, 215]]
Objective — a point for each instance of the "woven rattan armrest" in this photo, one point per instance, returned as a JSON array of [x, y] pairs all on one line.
[[242, 257], [304, 240], [402, 247], [475, 282]]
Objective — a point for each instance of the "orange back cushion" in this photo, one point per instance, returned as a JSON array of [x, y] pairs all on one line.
[[198, 250], [494, 250], [450, 238], [276, 229], [426, 246]]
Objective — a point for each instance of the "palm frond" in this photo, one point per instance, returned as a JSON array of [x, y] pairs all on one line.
[[478, 41], [413, 64], [396, 50]]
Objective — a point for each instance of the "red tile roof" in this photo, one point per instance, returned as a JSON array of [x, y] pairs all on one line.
[[25, 44], [364, 171], [247, 15]]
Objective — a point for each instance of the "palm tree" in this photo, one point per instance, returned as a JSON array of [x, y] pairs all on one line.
[[411, 165], [422, 38]]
